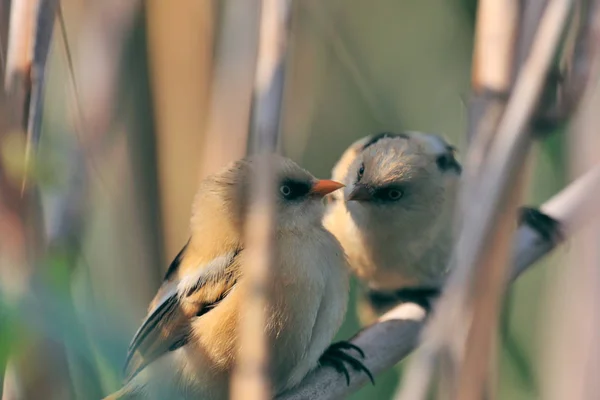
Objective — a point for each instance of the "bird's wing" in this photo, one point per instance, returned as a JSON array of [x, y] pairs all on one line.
[[168, 325]]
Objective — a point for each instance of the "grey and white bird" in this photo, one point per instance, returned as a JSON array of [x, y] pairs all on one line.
[[187, 345], [394, 218]]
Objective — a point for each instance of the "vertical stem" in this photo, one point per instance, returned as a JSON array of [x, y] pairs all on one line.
[[250, 379], [231, 90], [41, 370], [181, 71], [573, 351]]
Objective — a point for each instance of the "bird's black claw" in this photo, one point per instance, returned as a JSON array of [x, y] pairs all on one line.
[[345, 345], [546, 226], [336, 357]]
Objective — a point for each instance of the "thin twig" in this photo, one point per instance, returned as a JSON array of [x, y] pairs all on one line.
[[250, 378], [396, 334]]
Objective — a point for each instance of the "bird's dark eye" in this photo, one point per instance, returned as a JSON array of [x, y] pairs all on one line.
[[285, 190], [361, 171], [394, 194], [389, 194], [292, 189]]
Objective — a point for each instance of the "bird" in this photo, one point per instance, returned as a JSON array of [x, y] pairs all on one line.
[[394, 218], [186, 346], [395, 221]]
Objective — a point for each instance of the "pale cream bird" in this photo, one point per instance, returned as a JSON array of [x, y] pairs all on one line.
[[186, 347], [395, 215]]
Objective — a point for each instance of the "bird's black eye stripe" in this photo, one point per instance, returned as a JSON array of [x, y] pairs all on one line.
[[376, 138], [446, 162], [290, 189]]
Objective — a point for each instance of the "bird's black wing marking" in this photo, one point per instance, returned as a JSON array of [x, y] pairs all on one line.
[[175, 263], [163, 326], [162, 308], [168, 327]]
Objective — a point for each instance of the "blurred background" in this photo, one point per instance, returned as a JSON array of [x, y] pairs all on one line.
[[132, 97]]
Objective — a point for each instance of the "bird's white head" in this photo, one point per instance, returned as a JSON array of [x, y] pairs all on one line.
[[406, 178]]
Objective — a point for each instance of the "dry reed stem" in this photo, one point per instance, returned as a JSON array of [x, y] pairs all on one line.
[[496, 31], [489, 281], [226, 137], [41, 371], [572, 361], [506, 158], [487, 292], [495, 35], [181, 55], [492, 70], [250, 379]]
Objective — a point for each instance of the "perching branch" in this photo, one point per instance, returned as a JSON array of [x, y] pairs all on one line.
[[396, 334]]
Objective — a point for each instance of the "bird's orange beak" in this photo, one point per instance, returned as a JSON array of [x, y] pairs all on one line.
[[323, 187]]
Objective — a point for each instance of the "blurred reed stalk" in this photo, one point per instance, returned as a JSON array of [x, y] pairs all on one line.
[[492, 66], [496, 31], [181, 52], [93, 78], [250, 379], [226, 137], [41, 371], [572, 359], [396, 334], [488, 282], [485, 235], [92, 42]]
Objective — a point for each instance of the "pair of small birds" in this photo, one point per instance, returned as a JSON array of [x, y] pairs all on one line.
[[391, 226]]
